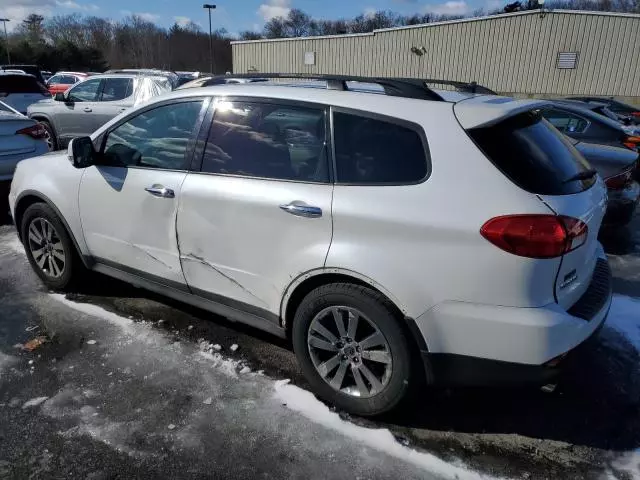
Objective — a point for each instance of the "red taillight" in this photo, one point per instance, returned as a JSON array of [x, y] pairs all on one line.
[[536, 236], [632, 142], [620, 181], [36, 131], [635, 114]]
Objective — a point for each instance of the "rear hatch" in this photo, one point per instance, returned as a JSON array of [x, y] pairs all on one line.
[[20, 91], [539, 159]]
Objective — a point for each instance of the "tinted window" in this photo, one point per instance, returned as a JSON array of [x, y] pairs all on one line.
[[67, 80], [116, 89], [372, 151], [20, 84], [156, 138], [533, 155], [85, 91], [565, 121], [268, 141]]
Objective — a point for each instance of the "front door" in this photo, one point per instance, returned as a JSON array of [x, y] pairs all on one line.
[[128, 203], [74, 117], [259, 213]]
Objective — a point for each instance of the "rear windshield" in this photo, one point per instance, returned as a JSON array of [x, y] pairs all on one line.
[[21, 84], [533, 154]]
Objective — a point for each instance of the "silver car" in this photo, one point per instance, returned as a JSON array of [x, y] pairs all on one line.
[[90, 104]]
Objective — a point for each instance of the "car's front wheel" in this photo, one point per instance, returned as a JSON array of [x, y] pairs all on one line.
[[352, 349], [49, 248]]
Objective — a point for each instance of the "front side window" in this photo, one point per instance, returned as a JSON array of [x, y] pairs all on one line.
[[565, 122], [85, 91], [116, 89], [371, 151], [155, 138], [268, 141]]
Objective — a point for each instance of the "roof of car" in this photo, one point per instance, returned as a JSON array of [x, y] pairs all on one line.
[[4, 73], [473, 110], [71, 73]]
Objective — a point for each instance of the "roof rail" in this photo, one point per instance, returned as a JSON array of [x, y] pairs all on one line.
[[396, 87]]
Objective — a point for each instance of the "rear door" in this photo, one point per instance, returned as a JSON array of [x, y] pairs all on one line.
[[259, 213], [541, 160]]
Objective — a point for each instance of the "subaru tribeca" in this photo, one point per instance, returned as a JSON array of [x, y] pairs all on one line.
[[392, 237]]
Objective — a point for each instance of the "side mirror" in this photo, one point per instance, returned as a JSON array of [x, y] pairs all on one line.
[[60, 97], [81, 152]]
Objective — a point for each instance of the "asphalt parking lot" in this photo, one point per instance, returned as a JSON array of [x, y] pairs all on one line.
[[130, 385]]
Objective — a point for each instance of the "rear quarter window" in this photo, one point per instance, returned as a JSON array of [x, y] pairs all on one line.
[[533, 155], [372, 151]]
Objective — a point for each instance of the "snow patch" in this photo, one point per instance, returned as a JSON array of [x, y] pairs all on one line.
[[12, 245], [34, 402], [624, 317], [6, 361], [224, 365], [382, 440]]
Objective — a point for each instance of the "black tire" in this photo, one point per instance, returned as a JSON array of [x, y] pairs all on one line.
[[52, 135], [379, 311], [72, 267]]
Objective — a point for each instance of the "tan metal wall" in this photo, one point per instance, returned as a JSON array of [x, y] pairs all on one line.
[[514, 53]]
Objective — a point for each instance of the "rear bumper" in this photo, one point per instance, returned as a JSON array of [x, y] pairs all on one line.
[[622, 205], [470, 344]]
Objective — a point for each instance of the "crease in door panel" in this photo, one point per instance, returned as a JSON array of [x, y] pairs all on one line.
[[196, 258], [150, 255], [175, 228]]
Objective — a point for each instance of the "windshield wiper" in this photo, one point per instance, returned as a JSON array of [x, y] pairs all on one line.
[[584, 175]]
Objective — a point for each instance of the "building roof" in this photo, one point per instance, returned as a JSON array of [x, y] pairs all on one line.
[[435, 24]]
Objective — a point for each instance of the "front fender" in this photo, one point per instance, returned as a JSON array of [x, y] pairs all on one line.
[[52, 179]]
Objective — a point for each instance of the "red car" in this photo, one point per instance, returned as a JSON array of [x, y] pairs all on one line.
[[62, 81]]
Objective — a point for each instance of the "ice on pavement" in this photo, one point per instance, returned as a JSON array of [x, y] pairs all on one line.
[[624, 317], [383, 440], [248, 415]]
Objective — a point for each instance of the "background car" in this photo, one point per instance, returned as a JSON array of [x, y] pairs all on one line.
[[210, 81], [19, 90], [62, 81], [616, 166], [90, 104], [20, 138], [624, 110], [171, 76], [30, 69]]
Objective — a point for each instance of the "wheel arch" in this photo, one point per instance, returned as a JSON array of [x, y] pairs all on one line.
[[308, 281], [31, 197]]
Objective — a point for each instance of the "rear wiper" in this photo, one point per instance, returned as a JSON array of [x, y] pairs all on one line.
[[584, 175]]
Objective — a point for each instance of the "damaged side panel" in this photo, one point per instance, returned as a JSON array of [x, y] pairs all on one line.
[[237, 243]]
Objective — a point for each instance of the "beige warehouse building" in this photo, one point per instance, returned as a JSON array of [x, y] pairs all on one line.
[[530, 53]]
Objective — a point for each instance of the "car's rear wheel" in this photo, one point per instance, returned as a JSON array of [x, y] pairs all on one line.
[[49, 248], [352, 348], [50, 136]]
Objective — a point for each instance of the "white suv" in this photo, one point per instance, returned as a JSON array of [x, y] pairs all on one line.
[[393, 237]]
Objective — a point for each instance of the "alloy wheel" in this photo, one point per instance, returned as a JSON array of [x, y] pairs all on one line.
[[349, 352], [46, 247]]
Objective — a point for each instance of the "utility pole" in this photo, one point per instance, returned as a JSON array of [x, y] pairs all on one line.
[[6, 38], [210, 7]]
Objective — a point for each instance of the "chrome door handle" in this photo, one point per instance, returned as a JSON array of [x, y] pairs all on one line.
[[87, 109], [160, 191], [302, 210]]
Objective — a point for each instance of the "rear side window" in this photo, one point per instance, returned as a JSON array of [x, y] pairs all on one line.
[[376, 152], [533, 154], [20, 84], [267, 140], [116, 89]]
